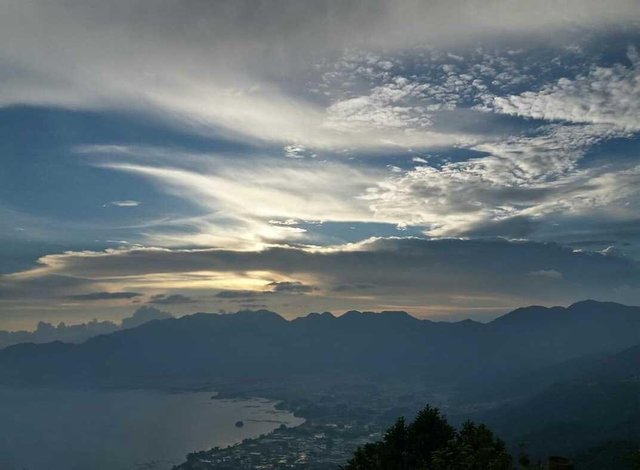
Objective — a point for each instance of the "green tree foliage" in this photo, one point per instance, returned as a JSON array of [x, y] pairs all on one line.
[[473, 448], [634, 460], [430, 443]]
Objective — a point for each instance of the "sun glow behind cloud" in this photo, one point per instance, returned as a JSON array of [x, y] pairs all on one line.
[[256, 281]]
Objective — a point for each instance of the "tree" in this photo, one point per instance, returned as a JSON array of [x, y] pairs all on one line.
[[429, 432], [634, 460], [431, 443], [474, 447]]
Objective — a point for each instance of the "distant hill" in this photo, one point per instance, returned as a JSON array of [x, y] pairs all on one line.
[[46, 332], [261, 345], [567, 340], [600, 405]]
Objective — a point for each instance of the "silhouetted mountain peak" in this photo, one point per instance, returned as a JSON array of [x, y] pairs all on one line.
[[241, 317], [315, 316], [351, 314], [398, 315], [261, 314], [251, 343], [36, 351], [538, 313], [533, 313], [594, 305]]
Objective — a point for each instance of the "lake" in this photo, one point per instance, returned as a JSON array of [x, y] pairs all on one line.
[[122, 430]]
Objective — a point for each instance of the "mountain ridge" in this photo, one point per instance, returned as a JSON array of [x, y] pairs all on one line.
[[599, 404], [262, 344], [46, 332]]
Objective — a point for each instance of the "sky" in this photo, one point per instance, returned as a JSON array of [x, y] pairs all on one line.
[[453, 159]]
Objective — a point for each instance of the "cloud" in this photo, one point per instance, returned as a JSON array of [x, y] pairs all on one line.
[[296, 151], [419, 275], [125, 203], [143, 315], [389, 106], [104, 296], [602, 96], [351, 287], [290, 287], [239, 294], [517, 226], [254, 306], [548, 273], [172, 299], [169, 62], [246, 202], [356, 99], [454, 118], [509, 191], [43, 287], [271, 288], [509, 184]]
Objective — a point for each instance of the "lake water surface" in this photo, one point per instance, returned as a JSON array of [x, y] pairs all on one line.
[[122, 430]]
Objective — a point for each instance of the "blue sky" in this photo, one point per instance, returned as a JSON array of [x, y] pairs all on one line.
[[451, 159]]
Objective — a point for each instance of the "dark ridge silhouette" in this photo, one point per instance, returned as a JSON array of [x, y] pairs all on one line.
[[261, 345], [46, 332]]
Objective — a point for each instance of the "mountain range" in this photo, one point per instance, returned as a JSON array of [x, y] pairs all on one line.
[[261, 345], [560, 380], [599, 404], [46, 332]]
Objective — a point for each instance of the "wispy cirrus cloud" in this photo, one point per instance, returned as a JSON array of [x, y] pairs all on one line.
[[522, 177], [124, 203], [244, 202]]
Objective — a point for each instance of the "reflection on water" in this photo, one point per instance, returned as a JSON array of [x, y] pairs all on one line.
[[122, 430]]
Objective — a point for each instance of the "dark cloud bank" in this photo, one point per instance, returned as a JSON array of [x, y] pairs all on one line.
[[509, 269]]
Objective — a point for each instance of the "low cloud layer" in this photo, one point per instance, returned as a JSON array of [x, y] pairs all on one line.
[[170, 299], [427, 277], [293, 287], [105, 296]]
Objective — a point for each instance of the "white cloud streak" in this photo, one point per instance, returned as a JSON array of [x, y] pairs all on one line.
[[239, 198], [124, 203], [605, 95]]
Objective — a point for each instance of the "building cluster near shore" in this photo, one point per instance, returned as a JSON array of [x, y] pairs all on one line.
[[336, 425], [309, 446]]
